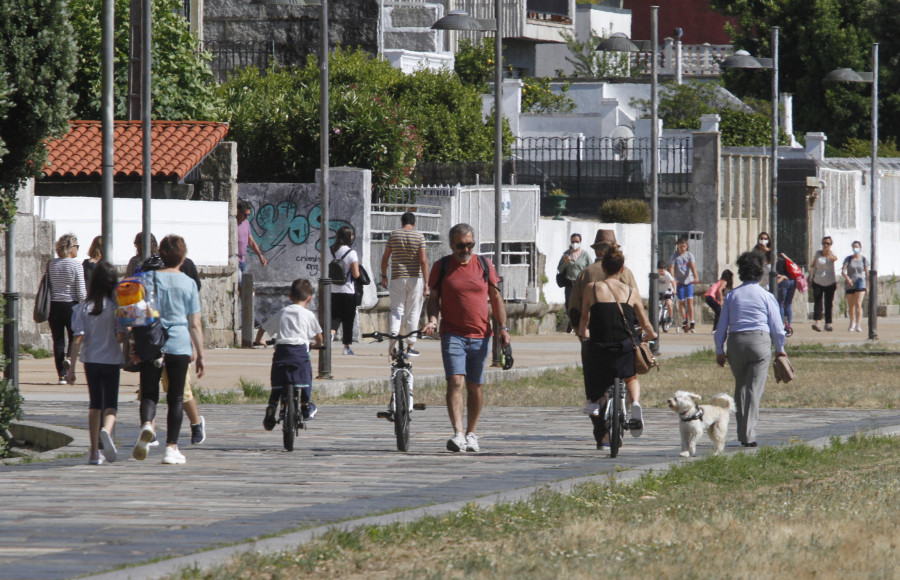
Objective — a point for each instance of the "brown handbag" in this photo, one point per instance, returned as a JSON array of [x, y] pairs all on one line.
[[643, 358]]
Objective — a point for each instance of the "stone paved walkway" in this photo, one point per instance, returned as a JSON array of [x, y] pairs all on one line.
[[63, 518]]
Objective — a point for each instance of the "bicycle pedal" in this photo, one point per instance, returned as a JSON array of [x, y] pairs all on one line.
[[385, 415], [419, 406]]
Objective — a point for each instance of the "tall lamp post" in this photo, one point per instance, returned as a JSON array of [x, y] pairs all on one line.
[[846, 75], [742, 59], [459, 20], [325, 229], [618, 42]]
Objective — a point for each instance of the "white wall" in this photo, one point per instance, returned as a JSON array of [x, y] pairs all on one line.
[[602, 21], [553, 239], [202, 224]]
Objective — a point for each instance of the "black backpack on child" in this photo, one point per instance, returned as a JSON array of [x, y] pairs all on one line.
[[336, 268]]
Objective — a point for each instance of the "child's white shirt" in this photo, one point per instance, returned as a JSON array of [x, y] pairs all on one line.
[[294, 324], [666, 282]]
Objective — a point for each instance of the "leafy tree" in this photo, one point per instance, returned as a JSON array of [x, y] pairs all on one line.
[[680, 107], [380, 119], [4, 106], [474, 63], [538, 97], [816, 37], [181, 78], [38, 55], [854, 147], [589, 63]]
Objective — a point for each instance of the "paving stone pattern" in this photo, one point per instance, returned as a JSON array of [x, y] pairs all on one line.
[[65, 518]]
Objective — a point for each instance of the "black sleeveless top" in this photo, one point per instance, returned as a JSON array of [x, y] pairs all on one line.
[[606, 325]]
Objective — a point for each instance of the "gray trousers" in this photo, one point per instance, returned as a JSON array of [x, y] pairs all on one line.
[[749, 354]]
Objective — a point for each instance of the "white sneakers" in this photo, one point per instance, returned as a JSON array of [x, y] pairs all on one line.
[[173, 456], [472, 443], [140, 447], [99, 460], [463, 443], [108, 446], [457, 442], [591, 409]]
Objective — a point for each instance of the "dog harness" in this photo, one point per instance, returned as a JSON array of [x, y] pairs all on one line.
[[697, 416]]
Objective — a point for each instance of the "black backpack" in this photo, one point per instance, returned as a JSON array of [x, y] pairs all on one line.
[[336, 267], [442, 270]]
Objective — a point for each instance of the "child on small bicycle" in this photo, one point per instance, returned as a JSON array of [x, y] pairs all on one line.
[[666, 288], [297, 330]]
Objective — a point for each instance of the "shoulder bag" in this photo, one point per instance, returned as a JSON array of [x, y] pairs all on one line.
[[42, 298], [643, 358]]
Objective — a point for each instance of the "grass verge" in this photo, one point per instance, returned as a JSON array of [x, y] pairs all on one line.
[[827, 377], [782, 511]]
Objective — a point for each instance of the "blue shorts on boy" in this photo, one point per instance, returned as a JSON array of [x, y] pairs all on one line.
[[295, 327]]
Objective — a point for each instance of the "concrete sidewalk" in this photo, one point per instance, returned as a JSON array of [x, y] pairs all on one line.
[[64, 518]]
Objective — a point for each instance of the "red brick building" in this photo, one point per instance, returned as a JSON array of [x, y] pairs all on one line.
[[698, 21]]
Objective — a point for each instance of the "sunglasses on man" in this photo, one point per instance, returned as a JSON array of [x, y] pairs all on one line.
[[462, 246]]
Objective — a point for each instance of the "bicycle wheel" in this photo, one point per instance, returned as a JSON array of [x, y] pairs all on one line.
[[664, 322], [401, 409], [616, 421], [289, 426]]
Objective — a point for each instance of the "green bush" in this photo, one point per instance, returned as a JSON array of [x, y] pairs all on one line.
[[624, 211], [380, 119], [10, 409]]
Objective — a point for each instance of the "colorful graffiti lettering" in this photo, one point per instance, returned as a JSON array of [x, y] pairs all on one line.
[[275, 222]]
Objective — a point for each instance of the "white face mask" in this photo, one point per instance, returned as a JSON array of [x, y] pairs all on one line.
[[857, 250], [764, 242], [575, 245]]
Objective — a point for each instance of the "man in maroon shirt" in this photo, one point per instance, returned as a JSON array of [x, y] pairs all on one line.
[[460, 291]]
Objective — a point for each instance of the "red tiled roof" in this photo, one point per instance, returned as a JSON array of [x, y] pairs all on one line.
[[178, 146]]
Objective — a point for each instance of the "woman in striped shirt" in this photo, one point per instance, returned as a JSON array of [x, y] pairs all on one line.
[[66, 290]]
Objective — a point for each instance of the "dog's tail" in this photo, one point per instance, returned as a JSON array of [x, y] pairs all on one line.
[[723, 400]]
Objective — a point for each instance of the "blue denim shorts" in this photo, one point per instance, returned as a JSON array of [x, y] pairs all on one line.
[[464, 356]]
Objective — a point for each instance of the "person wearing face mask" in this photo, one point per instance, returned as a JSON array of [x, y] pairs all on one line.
[[573, 261], [855, 272], [763, 247], [821, 273]]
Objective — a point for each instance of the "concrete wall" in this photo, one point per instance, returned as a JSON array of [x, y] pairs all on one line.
[[553, 240], [33, 242], [293, 27], [287, 225]]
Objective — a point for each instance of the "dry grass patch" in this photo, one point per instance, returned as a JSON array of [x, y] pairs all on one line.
[[791, 511], [826, 378]]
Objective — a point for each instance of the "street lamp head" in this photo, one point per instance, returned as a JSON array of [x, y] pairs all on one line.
[[844, 75], [458, 20], [742, 59], [617, 42]]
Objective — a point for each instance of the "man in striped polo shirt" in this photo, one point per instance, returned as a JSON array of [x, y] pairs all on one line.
[[409, 262]]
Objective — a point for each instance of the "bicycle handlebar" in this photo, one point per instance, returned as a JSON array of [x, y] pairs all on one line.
[[380, 336]]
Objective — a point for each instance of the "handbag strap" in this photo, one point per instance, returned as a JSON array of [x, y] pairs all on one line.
[[622, 312]]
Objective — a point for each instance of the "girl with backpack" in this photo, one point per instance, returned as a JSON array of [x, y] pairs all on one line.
[[98, 340], [343, 290]]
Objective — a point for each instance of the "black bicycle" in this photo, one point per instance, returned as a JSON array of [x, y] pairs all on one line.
[[290, 415], [614, 414], [402, 406]]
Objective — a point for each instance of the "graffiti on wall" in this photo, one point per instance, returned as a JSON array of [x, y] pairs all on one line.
[[278, 226]]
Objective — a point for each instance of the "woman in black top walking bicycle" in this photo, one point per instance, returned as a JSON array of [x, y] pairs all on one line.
[[602, 323]]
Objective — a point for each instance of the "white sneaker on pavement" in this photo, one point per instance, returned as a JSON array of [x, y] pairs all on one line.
[[140, 447], [173, 456], [108, 445], [636, 415], [592, 409], [472, 443], [457, 442]]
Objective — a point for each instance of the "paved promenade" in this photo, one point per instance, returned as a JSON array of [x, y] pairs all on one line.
[[64, 518]]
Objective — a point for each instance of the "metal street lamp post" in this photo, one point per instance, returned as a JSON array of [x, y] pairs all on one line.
[[459, 20], [846, 75], [325, 229], [618, 42], [742, 59]]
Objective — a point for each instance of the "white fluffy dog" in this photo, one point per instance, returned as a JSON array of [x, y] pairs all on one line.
[[696, 418]]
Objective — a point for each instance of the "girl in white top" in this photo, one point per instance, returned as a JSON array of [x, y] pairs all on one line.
[[343, 296]]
